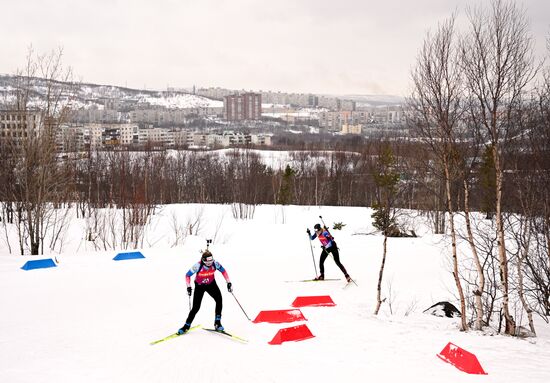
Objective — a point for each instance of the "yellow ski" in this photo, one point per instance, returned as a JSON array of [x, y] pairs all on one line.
[[174, 335]]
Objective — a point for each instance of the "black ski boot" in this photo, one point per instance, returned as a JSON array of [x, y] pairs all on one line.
[[320, 278], [184, 329], [218, 324]]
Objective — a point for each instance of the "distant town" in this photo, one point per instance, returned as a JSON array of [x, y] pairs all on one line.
[[110, 117]]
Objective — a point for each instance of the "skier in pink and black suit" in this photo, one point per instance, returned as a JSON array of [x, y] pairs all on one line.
[[205, 282], [329, 246]]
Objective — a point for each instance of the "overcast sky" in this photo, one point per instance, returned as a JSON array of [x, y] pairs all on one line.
[[318, 46]]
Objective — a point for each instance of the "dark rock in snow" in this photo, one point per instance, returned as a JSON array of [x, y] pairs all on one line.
[[443, 309], [523, 332]]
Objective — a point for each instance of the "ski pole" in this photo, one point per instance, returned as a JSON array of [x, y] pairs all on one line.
[[312, 256], [240, 306], [189, 302]]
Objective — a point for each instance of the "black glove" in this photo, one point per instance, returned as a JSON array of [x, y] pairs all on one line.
[[229, 287], [189, 291], [308, 231]]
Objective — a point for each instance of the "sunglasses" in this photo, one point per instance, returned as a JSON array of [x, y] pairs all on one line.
[[208, 261]]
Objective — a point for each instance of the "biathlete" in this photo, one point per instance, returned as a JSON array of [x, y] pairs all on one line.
[[205, 283], [329, 246]]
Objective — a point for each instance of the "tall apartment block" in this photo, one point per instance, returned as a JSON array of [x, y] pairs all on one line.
[[239, 107], [16, 126]]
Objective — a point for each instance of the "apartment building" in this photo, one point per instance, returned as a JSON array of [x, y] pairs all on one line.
[[328, 102], [261, 139], [129, 134], [161, 116], [240, 107], [96, 135], [347, 105], [159, 136], [304, 100], [226, 139], [352, 129], [110, 137], [334, 121], [92, 135], [17, 125], [181, 137], [96, 115], [394, 115], [70, 138], [169, 138]]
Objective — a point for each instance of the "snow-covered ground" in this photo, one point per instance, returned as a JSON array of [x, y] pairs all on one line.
[[181, 100], [301, 113], [274, 159], [91, 319]]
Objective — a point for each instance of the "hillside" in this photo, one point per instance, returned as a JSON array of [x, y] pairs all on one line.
[[91, 319], [87, 95]]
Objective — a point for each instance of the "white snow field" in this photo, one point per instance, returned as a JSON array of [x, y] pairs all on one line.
[[91, 319]]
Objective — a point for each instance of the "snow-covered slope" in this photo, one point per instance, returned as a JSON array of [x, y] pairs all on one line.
[[91, 318], [83, 96], [179, 101]]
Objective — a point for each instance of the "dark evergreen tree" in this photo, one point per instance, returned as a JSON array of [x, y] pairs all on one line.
[[286, 192], [487, 182], [386, 180]]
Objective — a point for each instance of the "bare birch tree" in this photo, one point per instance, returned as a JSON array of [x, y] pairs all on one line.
[[437, 113], [478, 292], [43, 102], [498, 64]]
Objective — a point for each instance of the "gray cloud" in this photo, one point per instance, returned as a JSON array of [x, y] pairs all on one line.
[[323, 46]]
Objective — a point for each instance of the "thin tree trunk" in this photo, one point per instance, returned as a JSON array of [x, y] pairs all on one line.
[[510, 325], [522, 254], [380, 275], [481, 276], [463, 316]]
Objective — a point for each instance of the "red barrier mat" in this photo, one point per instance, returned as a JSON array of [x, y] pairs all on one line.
[[321, 300], [461, 359], [292, 334], [279, 316]]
